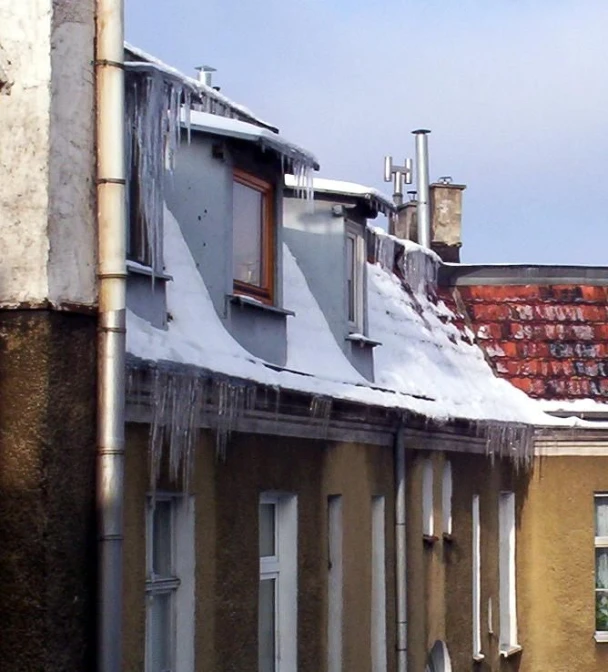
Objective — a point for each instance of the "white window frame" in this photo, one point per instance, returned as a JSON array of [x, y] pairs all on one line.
[[428, 518], [283, 568], [476, 587], [599, 542], [378, 615], [508, 644], [335, 583], [356, 325], [181, 582], [446, 499]]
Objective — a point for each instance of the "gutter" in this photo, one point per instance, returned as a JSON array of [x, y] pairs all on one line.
[[111, 224]]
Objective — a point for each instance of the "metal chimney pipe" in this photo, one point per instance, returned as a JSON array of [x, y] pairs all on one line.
[[422, 186]]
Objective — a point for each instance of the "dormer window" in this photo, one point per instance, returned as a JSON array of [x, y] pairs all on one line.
[[355, 260], [253, 236]]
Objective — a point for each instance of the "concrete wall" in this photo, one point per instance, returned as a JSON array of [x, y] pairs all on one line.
[[47, 190], [199, 195], [227, 563]]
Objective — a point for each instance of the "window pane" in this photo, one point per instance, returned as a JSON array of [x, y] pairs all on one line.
[[601, 610], [161, 539], [267, 529], [601, 568], [601, 516], [350, 277], [248, 206], [160, 632], [266, 626]]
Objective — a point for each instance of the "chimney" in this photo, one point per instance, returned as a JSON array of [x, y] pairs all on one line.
[[446, 218], [205, 74], [404, 223]]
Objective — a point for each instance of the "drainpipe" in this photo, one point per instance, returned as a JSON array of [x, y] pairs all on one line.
[[109, 70], [422, 186], [400, 550]]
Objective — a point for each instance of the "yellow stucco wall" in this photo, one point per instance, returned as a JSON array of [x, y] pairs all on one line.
[[226, 499]]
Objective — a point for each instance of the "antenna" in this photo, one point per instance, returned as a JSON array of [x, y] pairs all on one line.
[[400, 175]]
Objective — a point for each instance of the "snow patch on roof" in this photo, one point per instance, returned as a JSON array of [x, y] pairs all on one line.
[[326, 186], [196, 85], [233, 128], [420, 354]]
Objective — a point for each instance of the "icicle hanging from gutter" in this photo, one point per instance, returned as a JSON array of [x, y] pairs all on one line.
[[154, 105]]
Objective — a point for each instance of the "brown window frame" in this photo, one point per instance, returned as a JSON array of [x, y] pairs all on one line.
[[265, 292]]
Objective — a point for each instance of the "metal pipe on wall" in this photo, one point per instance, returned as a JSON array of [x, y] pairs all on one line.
[[400, 551], [422, 186], [111, 223]]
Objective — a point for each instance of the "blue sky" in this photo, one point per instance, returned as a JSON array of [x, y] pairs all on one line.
[[515, 92]]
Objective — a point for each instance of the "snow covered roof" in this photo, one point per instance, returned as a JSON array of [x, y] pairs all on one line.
[[233, 128], [379, 201], [206, 92], [424, 365]]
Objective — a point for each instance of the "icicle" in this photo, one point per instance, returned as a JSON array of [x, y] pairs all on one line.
[[321, 407], [384, 251], [155, 106], [419, 270]]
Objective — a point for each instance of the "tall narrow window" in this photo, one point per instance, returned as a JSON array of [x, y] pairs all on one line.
[[428, 526], [335, 583], [378, 586], [601, 567], [476, 588], [169, 584], [253, 236], [508, 604], [355, 266], [277, 594], [446, 498]]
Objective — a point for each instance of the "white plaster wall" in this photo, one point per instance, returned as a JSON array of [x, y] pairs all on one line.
[[47, 225]]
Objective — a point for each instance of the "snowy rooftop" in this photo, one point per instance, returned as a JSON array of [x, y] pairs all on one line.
[[194, 84], [425, 364], [380, 201], [233, 128]]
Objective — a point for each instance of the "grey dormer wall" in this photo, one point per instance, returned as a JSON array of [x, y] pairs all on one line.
[[317, 238], [199, 195]]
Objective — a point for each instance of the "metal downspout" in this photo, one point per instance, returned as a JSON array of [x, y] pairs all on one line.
[[109, 70], [422, 187], [400, 550]]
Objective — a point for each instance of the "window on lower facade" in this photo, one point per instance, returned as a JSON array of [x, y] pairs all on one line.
[[355, 267], [446, 498], [601, 566], [378, 630], [277, 594], [476, 587], [169, 584], [428, 522], [507, 575], [253, 237]]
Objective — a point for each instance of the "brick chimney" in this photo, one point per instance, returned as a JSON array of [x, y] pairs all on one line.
[[446, 219], [404, 223]]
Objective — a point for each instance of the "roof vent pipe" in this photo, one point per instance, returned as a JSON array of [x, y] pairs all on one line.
[[205, 74], [422, 186]]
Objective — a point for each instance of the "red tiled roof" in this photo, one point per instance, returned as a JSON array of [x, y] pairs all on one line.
[[551, 341]]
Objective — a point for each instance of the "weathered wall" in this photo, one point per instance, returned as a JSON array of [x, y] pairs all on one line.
[[227, 560], [47, 232], [556, 566], [47, 491]]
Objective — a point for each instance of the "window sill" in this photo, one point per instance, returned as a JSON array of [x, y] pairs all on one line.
[[135, 268], [250, 302], [479, 658], [362, 341], [601, 636], [507, 652], [429, 539], [448, 537]]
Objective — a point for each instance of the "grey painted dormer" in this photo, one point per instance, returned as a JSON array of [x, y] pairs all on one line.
[[200, 195], [324, 240]]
